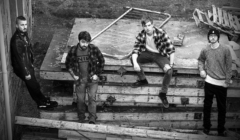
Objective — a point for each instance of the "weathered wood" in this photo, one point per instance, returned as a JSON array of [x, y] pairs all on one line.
[[236, 21], [232, 25], [225, 17], [220, 16], [110, 129], [136, 116], [76, 134], [215, 16], [133, 99]]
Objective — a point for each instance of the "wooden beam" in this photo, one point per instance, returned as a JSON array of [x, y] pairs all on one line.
[[107, 129], [134, 99], [136, 116]]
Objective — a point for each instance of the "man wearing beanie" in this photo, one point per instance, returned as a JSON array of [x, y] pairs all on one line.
[[215, 66], [22, 63]]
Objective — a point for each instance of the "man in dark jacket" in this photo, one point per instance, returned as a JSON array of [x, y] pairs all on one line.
[[22, 63], [85, 63]]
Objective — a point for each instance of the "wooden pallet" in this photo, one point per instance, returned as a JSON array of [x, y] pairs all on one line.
[[219, 19]]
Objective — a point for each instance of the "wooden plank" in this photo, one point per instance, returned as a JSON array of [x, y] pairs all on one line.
[[232, 25], [208, 16], [107, 129], [226, 22], [76, 134], [133, 99], [220, 16], [72, 116], [215, 16], [236, 21], [34, 137], [231, 8]]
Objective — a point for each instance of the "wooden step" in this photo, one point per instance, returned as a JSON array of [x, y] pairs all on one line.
[[107, 129]]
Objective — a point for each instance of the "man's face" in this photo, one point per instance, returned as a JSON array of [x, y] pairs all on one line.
[[148, 27], [22, 25], [213, 38], [83, 44]]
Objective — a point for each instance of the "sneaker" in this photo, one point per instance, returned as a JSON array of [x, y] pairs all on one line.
[[91, 122], [206, 131], [44, 106], [139, 83], [164, 100], [51, 103]]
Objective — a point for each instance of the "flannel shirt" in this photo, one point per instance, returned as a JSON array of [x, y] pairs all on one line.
[[163, 43], [96, 60]]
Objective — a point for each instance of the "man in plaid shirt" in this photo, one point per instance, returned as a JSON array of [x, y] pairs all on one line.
[[85, 63], [153, 45]]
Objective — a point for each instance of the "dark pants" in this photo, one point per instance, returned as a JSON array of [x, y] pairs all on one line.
[[161, 61], [81, 91], [221, 95], [33, 86]]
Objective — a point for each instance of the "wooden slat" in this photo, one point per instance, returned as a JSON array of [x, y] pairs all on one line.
[[220, 16], [110, 129], [72, 116], [226, 22], [236, 21], [232, 25], [208, 16], [215, 16]]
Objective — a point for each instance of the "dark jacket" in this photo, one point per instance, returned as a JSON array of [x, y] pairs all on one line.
[[21, 53], [96, 60], [161, 39]]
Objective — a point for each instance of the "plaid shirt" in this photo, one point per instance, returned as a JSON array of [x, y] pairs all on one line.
[[161, 39], [96, 60]]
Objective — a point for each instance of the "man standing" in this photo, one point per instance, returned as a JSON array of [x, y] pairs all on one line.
[[22, 63], [85, 63], [215, 65], [153, 45]]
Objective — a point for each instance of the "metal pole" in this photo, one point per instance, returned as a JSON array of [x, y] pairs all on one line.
[[111, 24], [5, 80], [156, 12]]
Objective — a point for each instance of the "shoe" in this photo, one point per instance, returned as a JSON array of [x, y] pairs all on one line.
[[139, 83], [164, 100], [206, 131], [44, 106], [74, 104], [91, 122], [51, 103]]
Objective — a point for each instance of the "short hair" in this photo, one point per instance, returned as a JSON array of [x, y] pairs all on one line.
[[85, 36], [20, 18], [145, 19]]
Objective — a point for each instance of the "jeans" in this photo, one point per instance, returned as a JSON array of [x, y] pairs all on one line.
[[221, 95], [161, 61], [91, 90], [33, 86]]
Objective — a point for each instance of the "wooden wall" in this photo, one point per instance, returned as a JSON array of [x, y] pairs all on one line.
[[10, 9]]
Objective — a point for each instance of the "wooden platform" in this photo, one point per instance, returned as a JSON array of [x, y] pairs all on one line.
[[186, 84]]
